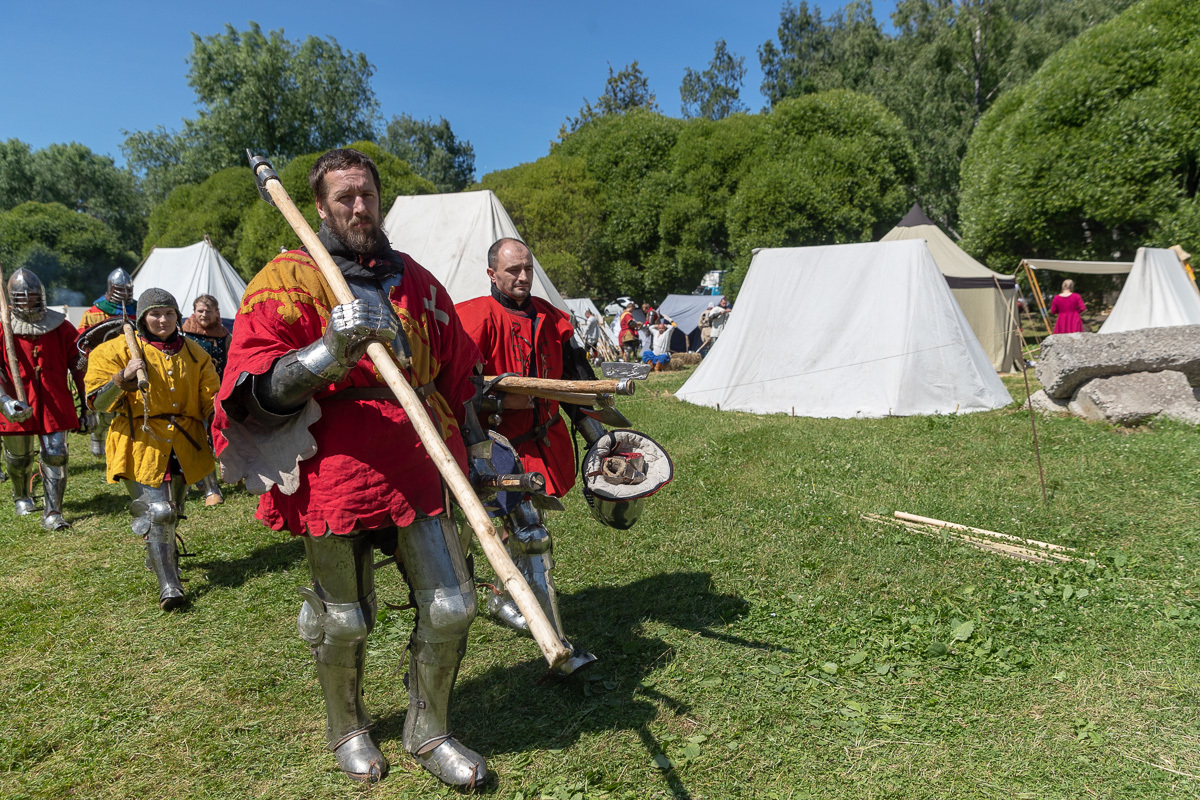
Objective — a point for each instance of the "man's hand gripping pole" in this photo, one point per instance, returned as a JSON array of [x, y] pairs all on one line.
[[514, 583]]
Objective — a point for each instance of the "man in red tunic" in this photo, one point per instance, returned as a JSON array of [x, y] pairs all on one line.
[[45, 351], [304, 417], [526, 335]]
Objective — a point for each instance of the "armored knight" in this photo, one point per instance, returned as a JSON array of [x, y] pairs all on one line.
[[116, 302], [157, 444], [44, 345], [306, 420], [524, 335]]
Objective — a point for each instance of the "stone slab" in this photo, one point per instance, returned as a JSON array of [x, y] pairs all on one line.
[[1045, 404], [1070, 360], [1131, 399]]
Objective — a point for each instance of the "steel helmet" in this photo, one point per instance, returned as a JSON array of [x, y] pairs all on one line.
[[619, 472]]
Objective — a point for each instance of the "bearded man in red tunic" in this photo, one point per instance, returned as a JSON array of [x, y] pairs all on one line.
[[306, 419], [45, 353], [526, 335]]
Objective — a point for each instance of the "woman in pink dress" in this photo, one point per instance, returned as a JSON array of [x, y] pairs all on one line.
[[1068, 306]]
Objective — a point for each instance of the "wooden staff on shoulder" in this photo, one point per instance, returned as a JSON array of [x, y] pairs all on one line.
[[135, 351], [514, 583], [10, 346]]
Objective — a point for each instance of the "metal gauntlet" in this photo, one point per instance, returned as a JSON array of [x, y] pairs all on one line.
[[353, 326], [14, 410]]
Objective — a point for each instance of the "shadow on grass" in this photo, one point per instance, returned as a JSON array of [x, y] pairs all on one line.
[[229, 574], [506, 710], [107, 499]]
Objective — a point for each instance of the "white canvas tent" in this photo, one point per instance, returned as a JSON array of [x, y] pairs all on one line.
[[578, 306], [988, 299], [685, 310], [853, 330], [449, 235], [188, 272], [1158, 293]]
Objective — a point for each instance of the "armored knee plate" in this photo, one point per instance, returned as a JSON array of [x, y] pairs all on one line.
[[54, 480], [432, 556], [335, 620], [18, 461], [154, 517]]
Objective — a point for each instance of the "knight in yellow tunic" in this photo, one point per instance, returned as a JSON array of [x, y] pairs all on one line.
[[156, 465]]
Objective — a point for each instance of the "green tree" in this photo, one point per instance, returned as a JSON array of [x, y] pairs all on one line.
[[67, 250], [264, 230], [714, 93], [214, 208], [259, 91], [623, 91], [1100, 152], [432, 151], [794, 66], [556, 207], [91, 184], [16, 174]]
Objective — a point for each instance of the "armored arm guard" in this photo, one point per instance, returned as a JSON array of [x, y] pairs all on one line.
[[280, 392], [576, 367]]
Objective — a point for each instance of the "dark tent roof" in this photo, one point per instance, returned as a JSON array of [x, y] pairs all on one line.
[[914, 217]]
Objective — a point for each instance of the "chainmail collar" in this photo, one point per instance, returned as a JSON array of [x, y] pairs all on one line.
[[378, 266], [49, 321]]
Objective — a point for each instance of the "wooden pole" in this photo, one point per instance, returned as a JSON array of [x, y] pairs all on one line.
[[10, 346], [532, 386], [514, 583], [135, 352], [938, 523], [1028, 394]]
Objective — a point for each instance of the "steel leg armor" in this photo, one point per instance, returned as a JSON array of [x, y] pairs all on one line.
[[431, 555], [532, 551], [335, 619], [54, 480], [99, 435], [18, 460], [212, 489], [155, 510]]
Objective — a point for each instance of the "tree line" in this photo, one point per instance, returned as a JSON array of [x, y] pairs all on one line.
[[1030, 127]]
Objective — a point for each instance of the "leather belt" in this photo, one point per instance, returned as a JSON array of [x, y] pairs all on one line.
[[381, 393], [537, 433], [171, 418]]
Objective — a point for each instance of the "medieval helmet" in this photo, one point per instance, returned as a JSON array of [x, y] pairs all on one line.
[[620, 471], [27, 295], [120, 287]]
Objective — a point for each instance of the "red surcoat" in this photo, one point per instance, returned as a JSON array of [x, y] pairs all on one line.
[[370, 469], [505, 337], [42, 362]]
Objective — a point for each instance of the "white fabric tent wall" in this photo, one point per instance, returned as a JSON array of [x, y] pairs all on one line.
[[188, 272], [988, 299], [577, 306], [1158, 293], [854, 330], [449, 235]]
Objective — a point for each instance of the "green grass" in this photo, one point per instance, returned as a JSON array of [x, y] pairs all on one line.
[[757, 639]]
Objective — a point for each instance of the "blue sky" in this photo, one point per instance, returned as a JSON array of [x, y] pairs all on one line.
[[504, 74]]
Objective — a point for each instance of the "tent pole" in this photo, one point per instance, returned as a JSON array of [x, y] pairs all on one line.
[[1037, 294], [1032, 421]]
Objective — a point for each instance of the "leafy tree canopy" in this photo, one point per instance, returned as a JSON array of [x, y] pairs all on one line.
[[714, 93], [67, 250], [79, 179], [260, 91], [673, 199], [433, 151], [947, 62], [264, 230], [623, 91], [1100, 152], [215, 207]]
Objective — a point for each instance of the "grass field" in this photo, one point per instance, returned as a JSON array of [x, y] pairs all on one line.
[[757, 639]]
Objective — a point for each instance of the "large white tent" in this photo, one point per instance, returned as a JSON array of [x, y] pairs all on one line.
[[1157, 294], [685, 310], [852, 330], [188, 272], [449, 235], [988, 299], [578, 307]]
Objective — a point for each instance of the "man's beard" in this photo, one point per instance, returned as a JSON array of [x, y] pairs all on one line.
[[363, 241]]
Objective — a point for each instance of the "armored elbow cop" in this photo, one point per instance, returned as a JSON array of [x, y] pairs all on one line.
[[621, 469]]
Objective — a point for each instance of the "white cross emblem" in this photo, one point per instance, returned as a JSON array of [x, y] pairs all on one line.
[[431, 305]]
